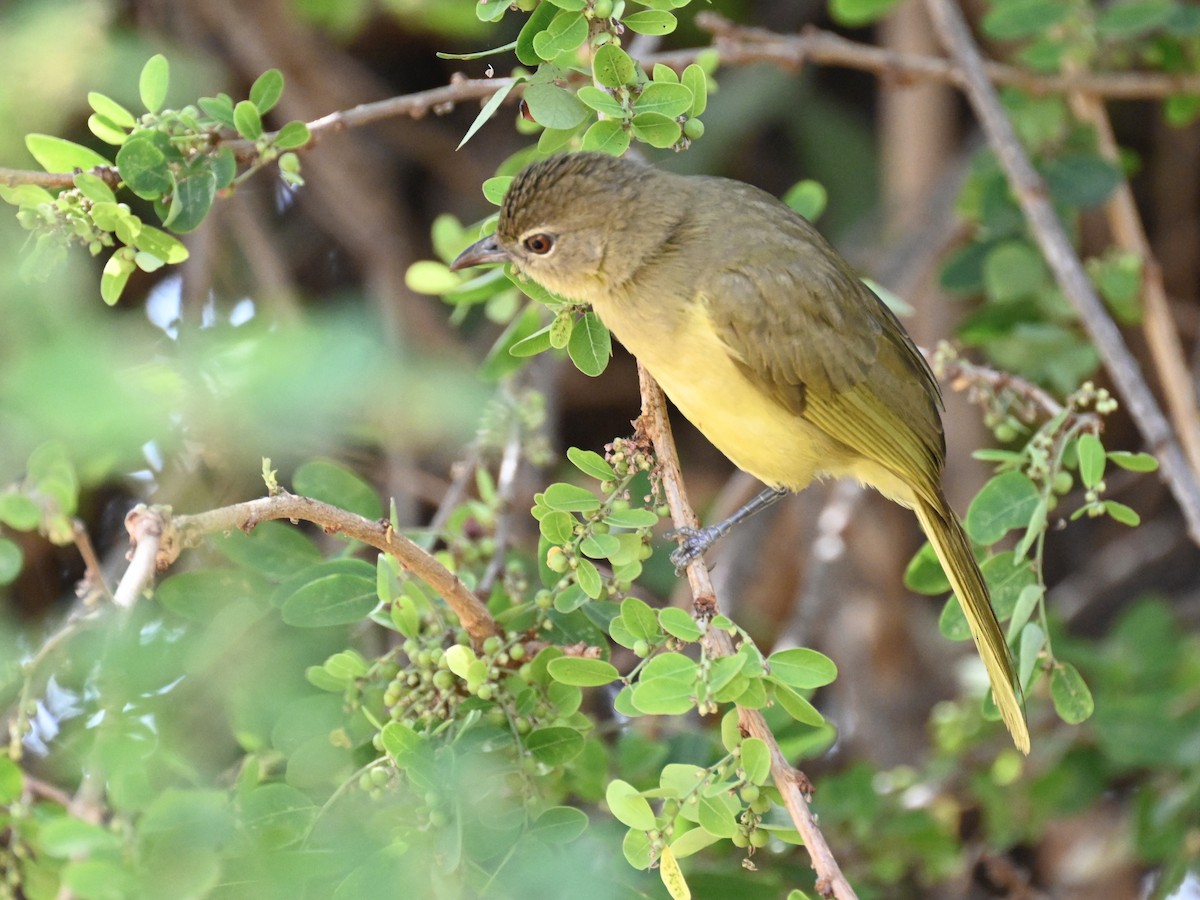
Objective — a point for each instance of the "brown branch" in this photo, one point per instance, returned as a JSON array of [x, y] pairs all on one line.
[[93, 579], [1060, 255], [1162, 337], [793, 786], [185, 531], [148, 539]]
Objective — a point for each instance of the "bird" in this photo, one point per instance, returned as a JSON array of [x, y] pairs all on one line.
[[761, 334]]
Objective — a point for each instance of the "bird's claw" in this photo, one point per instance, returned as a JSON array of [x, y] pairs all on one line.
[[694, 543]]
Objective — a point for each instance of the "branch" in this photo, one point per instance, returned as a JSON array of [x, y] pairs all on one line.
[[1056, 247], [177, 532], [793, 786]]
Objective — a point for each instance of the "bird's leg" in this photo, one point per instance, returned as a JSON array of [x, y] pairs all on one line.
[[696, 541]]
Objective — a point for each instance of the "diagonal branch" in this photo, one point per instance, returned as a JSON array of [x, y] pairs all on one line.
[[1068, 271], [793, 786]]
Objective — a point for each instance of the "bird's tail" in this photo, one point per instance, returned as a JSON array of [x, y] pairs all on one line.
[[953, 548]]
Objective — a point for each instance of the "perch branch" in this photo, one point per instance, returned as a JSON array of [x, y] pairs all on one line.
[[177, 532], [1060, 255], [793, 785]]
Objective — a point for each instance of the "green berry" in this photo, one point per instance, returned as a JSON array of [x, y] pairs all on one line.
[[759, 838], [749, 793], [693, 129]]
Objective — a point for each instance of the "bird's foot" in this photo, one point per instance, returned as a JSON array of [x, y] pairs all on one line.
[[694, 543]]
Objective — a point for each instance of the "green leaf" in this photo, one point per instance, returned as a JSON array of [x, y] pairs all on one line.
[[154, 81], [12, 781], [1124, 514], [1013, 19], [565, 34], [591, 345], [640, 619], [11, 560], [952, 623], [1027, 602], [266, 91], [19, 512], [808, 198], [855, 13], [717, 814], [679, 623], [331, 600], [628, 806], [558, 527], [692, 842], [1072, 699], [600, 546], [696, 81], [489, 109], [164, 246], [554, 746], [802, 668], [925, 574], [94, 188], [1029, 648], [554, 107], [656, 129], [666, 686], [291, 136], [534, 25], [65, 836], [664, 74], [191, 200], [613, 67], [325, 480], [1081, 179], [276, 815], [588, 578], [1006, 502], [632, 518], [1012, 270], [110, 109], [606, 136], [756, 760], [280, 551], [582, 672], [591, 463], [143, 166], [650, 21], [573, 5], [796, 706], [666, 99], [601, 101], [1133, 462], [1091, 460], [1133, 18], [55, 154], [570, 498], [496, 187], [115, 276], [247, 120]]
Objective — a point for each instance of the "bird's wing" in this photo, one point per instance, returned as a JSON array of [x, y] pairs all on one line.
[[812, 336]]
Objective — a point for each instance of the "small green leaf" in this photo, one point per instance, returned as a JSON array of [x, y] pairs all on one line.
[[331, 600], [11, 561], [613, 67], [666, 99], [554, 746], [666, 686], [795, 705], [588, 577], [591, 463], [538, 342], [1027, 602], [680, 624], [291, 136], [692, 842], [489, 109], [534, 25], [1072, 699], [1012, 270], [12, 781], [191, 200], [591, 345], [326, 480], [103, 128], [856, 13], [952, 623], [248, 120], [266, 90], [1133, 462], [558, 527], [606, 136], [650, 21], [560, 825], [1029, 648], [55, 154], [601, 101], [1091, 459], [1014, 19], [566, 33], [600, 546], [496, 187], [656, 129], [696, 81], [94, 188], [628, 806], [640, 619], [19, 512], [925, 574], [154, 81], [554, 107], [166, 247], [1133, 18], [802, 668], [582, 672], [632, 518], [756, 760], [115, 276], [1126, 515], [717, 814], [570, 498], [105, 106], [1004, 503], [1081, 179]]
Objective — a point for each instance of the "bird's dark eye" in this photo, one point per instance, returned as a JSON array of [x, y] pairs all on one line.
[[541, 244]]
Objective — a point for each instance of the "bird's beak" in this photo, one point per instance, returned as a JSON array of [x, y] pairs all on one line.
[[486, 250]]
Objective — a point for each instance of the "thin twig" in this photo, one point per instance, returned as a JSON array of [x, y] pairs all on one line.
[[793, 786], [1060, 255], [93, 579], [146, 531], [185, 531]]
